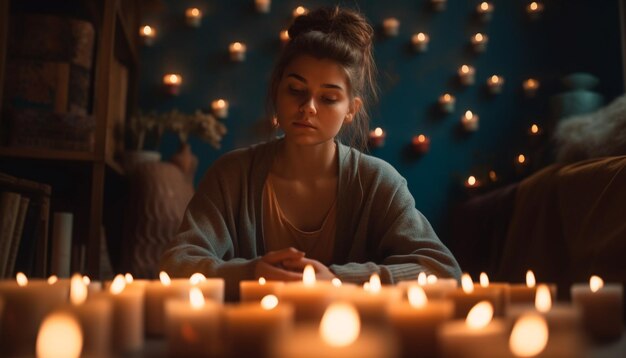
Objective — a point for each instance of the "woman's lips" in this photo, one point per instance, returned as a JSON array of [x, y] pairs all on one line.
[[303, 125]]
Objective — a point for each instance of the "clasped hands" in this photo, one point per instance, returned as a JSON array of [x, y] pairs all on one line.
[[287, 265]]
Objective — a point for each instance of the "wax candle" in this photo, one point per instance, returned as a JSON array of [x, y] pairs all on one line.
[[148, 35], [421, 144], [371, 302], [262, 6], [534, 130], [529, 336], [485, 11], [467, 75], [479, 42], [219, 107], [438, 5], [447, 102], [193, 17], [253, 290], [237, 51], [391, 26], [156, 294], [601, 307], [469, 121], [377, 138], [257, 324], [59, 336], [284, 37], [127, 319], [416, 321], [534, 9], [494, 84], [309, 297], [520, 293], [420, 42], [172, 82], [212, 288], [299, 11], [472, 183], [530, 86], [434, 290], [469, 295], [193, 325]]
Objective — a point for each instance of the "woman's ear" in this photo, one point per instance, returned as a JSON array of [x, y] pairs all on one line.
[[355, 107]]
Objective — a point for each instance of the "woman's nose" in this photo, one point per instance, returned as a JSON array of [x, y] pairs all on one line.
[[308, 107]]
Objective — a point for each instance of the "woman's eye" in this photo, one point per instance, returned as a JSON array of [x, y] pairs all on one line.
[[296, 90], [329, 100]]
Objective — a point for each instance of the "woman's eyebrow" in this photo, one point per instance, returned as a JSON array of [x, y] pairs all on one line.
[[325, 85]]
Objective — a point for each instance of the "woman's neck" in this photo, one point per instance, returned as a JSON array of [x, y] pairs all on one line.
[[306, 161]]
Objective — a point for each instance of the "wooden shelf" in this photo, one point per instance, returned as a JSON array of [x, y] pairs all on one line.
[[44, 153]]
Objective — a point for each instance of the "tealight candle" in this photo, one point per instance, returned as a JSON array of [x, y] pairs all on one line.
[[172, 83], [469, 121], [309, 297], [254, 291], [447, 102], [534, 9], [371, 303], [299, 11], [531, 86], [494, 84], [467, 75], [484, 11], [420, 42], [212, 288], [521, 162], [219, 107], [469, 295], [148, 34], [421, 144], [525, 293], [262, 6], [284, 37], [391, 26], [601, 306], [60, 336], [193, 17], [237, 51], [438, 5], [479, 42], [157, 293], [377, 138], [127, 318]]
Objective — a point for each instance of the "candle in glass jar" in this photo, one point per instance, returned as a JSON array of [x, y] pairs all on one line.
[[469, 121], [219, 107], [479, 42], [377, 138], [467, 75], [447, 102], [484, 11], [421, 144], [253, 290], [391, 26], [263, 6], [420, 42], [534, 9], [494, 84], [601, 306], [172, 83], [148, 34], [530, 86], [438, 5], [237, 51]]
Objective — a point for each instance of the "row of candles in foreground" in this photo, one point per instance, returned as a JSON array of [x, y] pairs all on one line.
[[427, 316]]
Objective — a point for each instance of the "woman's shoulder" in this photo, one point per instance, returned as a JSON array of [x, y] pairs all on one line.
[[241, 158], [369, 166]]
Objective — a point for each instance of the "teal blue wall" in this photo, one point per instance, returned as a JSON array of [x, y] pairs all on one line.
[[571, 35]]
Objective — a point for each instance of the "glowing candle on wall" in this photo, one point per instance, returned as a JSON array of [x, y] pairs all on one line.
[[262, 6], [148, 34], [421, 144], [220, 108], [494, 84], [172, 83], [470, 121], [377, 138], [531, 86], [237, 52], [479, 42], [447, 102], [284, 37], [467, 75], [534, 130], [193, 17], [484, 11], [299, 11], [420, 42], [439, 5], [472, 182], [534, 9], [391, 26]]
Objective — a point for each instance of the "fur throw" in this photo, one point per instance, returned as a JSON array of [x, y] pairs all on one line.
[[597, 134]]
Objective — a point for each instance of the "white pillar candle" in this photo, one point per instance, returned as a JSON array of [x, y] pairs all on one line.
[[469, 295], [371, 303], [484, 11], [128, 316], [494, 84], [255, 290], [61, 244], [262, 6], [467, 75], [447, 102], [219, 107], [193, 17], [420, 42], [148, 35], [525, 293], [469, 121], [391, 26], [237, 51], [212, 288], [156, 294], [601, 306], [309, 297]]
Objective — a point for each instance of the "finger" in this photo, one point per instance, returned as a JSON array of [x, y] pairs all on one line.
[[274, 273], [299, 264], [275, 257]]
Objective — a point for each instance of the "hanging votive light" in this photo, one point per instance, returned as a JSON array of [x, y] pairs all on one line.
[[467, 75], [421, 144], [391, 26], [439, 5], [377, 138], [534, 130], [262, 6], [470, 121], [479, 42], [193, 17], [147, 34], [494, 84], [534, 9], [447, 102], [484, 11], [284, 37], [531, 86], [420, 42], [219, 107], [237, 51], [172, 82], [299, 11]]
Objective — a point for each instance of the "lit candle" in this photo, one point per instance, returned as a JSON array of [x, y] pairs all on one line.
[[391, 26], [438, 5], [127, 318], [172, 83], [299, 11], [479, 42], [534, 9], [60, 336], [469, 295], [529, 336], [601, 306], [262, 6], [371, 303], [467, 75], [148, 34], [193, 17], [469, 121], [447, 102], [284, 37], [157, 293], [494, 84], [471, 182], [237, 51], [525, 293], [309, 297], [377, 138], [212, 288], [534, 130], [484, 11], [193, 325], [251, 290], [421, 144], [521, 162], [493, 176], [420, 42], [219, 107], [531, 86]]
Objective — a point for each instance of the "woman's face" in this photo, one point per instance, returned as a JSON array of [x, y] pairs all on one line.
[[313, 100]]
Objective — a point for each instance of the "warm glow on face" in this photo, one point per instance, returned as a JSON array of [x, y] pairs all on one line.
[[480, 315], [529, 336], [595, 283], [59, 335], [422, 279], [52, 279], [146, 31], [196, 278], [118, 284], [534, 129], [484, 280], [471, 181], [336, 282], [21, 279], [78, 290], [86, 280], [530, 279], [165, 278], [308, 276], [417, 297], [521, 158], [196, 298], [378, 132], [269, 302], [466, 283], [431, 279], [129, 278], [543, 298], [340, 325], [375, 284]]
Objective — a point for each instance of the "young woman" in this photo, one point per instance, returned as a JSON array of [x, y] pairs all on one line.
[[306, 198]]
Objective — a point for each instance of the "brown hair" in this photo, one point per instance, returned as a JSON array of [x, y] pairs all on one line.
[[341, 35]]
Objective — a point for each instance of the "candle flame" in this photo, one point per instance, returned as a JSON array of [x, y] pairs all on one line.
[[196, 298], [480, 315], [595, 283], [196, 278], [59, 335], [78, 290], [529, 336], [479, 37], [422, 280], [465, 68], [471, 181], [21, 279], [534, 129], [165, 278], [146, 31], [284, 35], [262, 281], [336, 282], [530, 279], [531, 84], [53, 279], [417, 297], [534, 6], [469, 115], [129, 278], [466, 283], [495, 79], [194, 12], [308, 276], [366, 286], [421, 37], [521, 158], [431, 279], [484, 280], [484, 6], [447, 97], [492, 175], [86, 280], [375, 285], [543, 298], [118, 285], [299, 11], [378, 132], [340, 325], [172, 79], [421, 138], [269, 302]]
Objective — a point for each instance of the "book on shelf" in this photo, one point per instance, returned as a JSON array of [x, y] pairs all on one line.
[[18, 232], [9, 211]]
